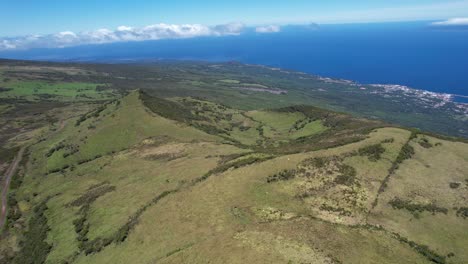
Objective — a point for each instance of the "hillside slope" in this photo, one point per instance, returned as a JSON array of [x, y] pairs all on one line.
[[149, 180]]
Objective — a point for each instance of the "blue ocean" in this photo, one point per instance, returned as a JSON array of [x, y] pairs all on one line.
[[413, 54]]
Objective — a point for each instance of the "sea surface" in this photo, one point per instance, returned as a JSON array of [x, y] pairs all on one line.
[[413, 54]]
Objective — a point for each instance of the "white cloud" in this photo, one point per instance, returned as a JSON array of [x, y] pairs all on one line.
[[5, 44], [124, 28], [268, 29], [462, 21], [122, 33]]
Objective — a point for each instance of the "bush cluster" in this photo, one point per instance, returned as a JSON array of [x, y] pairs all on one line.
[[388, 140], [424, 142], [373, 152], [405, 153], [13, 211], [71, 149], [235, 164], [55, 148], [282, 176], [339, 210], [81, 226], [347, 175], [94, 113], [61, 169], [88, 160], [34, 248], [423, 250], [462, 212], [415, 208], [91, 195], [318, 162]]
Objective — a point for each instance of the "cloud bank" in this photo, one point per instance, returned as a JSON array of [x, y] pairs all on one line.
[[461, 21], [121, 34], [268, 29]]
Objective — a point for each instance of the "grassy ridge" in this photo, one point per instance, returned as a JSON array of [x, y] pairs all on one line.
[[184, 179]]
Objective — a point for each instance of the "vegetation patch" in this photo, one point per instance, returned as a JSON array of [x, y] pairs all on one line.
[[462, 212], [423, 250], [373, 152], [81, 225], [164, 156], [282, 176], [91, 195], [3, 89], [338, 210], [228, 158], [61, 169], [318, 162], [416, 208], [168, 109], [14, 214], [55, 148], [7, 154], [123, 232], [406, 152], [34, 248], [424, 142], [346, 176], [249, 160], [94, 113]]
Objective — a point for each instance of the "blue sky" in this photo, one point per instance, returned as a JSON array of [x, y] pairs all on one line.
[[28, 24], [23, 17]]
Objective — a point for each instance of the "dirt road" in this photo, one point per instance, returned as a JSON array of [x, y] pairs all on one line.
[[6, 184]]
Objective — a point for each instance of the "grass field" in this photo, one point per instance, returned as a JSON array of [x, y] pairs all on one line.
[[435, 176], [237, 216], [37, 90]]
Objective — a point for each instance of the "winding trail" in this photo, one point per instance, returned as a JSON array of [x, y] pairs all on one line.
[[7, 179]]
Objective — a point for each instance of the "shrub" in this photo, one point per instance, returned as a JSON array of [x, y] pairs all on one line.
[[415, 208], [91, 195], [424, 142], [81, 120], [16, 181], [454, 185], [423, 250], [282, 176], [388, 140], [405, 153], [462, 212], [58, 147], [169, 109], [227, 158], [347, 175], [373, 152], [235, 164], [319, 162], [61, 169], [81, 227], [88, 160], [339, 210], [34, 248], [13, 210]]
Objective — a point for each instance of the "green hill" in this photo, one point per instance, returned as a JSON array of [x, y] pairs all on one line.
[[185, 179]]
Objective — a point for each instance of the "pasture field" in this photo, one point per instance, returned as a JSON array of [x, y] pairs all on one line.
[[38, 90]]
